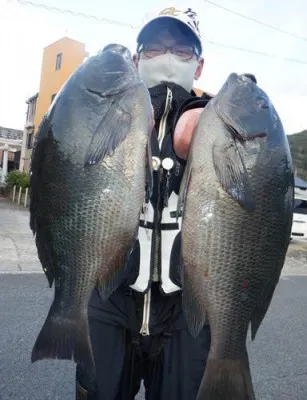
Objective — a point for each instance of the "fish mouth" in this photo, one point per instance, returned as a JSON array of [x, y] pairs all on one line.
[[243, 137], [248, 77], [244, 108], [243, 126], [118, 48], [104, 95]]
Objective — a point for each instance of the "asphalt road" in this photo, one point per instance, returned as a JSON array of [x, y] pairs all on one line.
[[278, 356]]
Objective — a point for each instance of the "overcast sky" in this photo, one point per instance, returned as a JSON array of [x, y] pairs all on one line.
[[25, 30]]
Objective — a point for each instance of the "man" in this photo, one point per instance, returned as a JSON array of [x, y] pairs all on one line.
[[140, 333]]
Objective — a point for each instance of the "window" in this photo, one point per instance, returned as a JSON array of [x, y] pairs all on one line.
[[34, 108], [300, 206], [58, 61], [31, 110], [52, 97], [29, 140], [28, 113]]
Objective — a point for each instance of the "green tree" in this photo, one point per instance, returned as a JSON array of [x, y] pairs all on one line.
[[17, 178]]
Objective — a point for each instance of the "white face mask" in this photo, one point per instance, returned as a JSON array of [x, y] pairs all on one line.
[[168, 68]]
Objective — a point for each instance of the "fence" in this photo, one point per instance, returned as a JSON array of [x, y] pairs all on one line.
[[20, 196]]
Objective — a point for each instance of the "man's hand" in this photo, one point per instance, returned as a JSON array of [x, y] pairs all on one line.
[[184, 130]]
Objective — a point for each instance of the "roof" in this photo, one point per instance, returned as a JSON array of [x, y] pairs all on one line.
[[299, 183], [63, 39], [12, 134], [32, 98]]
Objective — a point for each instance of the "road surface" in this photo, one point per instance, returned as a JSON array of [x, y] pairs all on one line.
[[278, 356]]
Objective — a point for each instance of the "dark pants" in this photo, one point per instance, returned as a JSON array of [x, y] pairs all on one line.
[[169, 361]]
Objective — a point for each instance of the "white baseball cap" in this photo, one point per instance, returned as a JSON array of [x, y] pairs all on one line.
[[186, 16]]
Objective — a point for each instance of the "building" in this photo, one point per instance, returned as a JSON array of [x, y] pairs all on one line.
[[28, 134], [60, 60], [10, 149]]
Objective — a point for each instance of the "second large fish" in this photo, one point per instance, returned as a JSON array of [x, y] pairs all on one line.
[[88, 175], [237, 219]]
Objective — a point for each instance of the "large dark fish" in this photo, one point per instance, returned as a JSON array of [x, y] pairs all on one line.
[[89, 171], [237, 194]]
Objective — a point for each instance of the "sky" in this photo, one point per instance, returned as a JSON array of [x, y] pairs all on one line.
[[26, 29]]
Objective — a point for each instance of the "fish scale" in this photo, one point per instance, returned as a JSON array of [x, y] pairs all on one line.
[[237, 197], [89, 170]]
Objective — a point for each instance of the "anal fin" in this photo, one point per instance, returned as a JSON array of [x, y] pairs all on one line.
[[194, 301], [112, 277], [261, 309]]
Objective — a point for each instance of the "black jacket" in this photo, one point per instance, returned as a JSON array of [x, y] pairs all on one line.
[[156, 253]]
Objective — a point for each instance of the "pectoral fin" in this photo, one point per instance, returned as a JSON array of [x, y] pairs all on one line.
[[112, 130], [232, 174]]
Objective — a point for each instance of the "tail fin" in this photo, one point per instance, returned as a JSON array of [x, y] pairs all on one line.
[[226, 379], [65, 339]]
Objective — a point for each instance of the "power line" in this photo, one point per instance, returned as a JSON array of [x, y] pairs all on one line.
[[256, 21], [260, 53], [74, 13], [131, 26]]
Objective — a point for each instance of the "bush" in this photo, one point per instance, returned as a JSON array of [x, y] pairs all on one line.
[[17, 178]]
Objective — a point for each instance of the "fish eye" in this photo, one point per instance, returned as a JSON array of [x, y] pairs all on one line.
[[262, 102]]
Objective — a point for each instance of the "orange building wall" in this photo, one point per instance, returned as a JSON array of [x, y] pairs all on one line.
[[73, 54]]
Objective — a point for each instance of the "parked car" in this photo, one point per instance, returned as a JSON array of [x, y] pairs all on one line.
[[299, 225]]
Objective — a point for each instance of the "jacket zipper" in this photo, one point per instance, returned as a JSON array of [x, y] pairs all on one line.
[[146, 309], [147, 297], [162, 128], [167, 108]]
